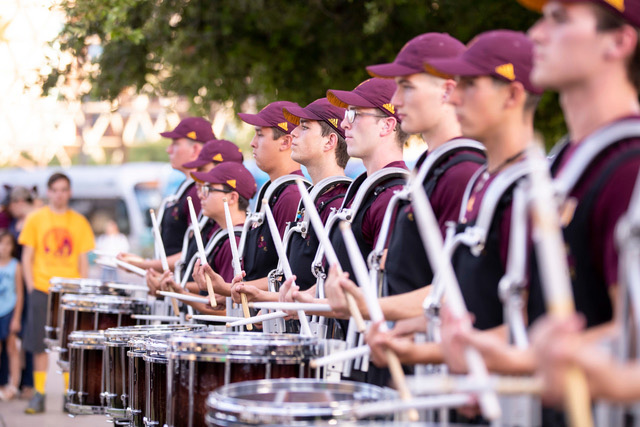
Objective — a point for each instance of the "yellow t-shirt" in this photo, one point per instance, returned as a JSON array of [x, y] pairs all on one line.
[[57, 241]]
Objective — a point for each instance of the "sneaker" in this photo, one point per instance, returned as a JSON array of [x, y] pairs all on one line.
[[36, 404], [65, 400], [8, 393]]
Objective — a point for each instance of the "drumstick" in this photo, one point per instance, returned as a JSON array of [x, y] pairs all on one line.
[[375, 312], [432, 241], [436, 384], [431, 402], [127, 287], [290, 306], [203, 255], [163, 254], [237, 270], [184, 297], [286, 267], [556, 282], [257, 319], [212, 318], [341, 356], [132, 268], [329, 252], [105, 254], [155, 317]]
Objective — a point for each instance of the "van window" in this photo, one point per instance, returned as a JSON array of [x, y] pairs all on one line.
[[148, 197], [99, 211]]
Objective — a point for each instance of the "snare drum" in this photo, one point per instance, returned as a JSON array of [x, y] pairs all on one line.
[[201, 362], [290, 402], [60, 286], [92, 312], [117, 366], [155, 363], [86, 377]]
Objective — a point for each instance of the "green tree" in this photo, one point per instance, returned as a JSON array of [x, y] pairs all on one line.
[[214, 50]]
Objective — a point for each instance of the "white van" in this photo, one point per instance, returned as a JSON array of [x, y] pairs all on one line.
[[123, 193]]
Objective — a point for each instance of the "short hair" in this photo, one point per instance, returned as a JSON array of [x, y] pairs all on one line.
[[278, 133], [6, 233], [243, 203], [531, 101], [342, 157], [607, 21], [57, 177]]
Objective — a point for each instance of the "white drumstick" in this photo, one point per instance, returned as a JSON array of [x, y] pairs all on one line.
[[214, 318], [132, 268], [341, 356], [329, 252], [201, 252], [290, 306], [237, 269], [156, 317], [184, 297], [432, 402], [286, 267], [127, 287], [163, 254], [257, 319]]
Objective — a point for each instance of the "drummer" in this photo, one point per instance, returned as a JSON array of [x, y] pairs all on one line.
[[318, 144], [272, 152], [55, 240], [187, 140], [495, 102], [234, 182]]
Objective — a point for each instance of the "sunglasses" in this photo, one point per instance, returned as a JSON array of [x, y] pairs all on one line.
[[350, 115]]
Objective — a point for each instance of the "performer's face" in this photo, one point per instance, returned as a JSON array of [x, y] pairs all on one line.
[[307, 142], [568, 48], [418, 101]]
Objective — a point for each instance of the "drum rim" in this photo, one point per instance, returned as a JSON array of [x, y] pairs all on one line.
[[123, 334], [221, 399]]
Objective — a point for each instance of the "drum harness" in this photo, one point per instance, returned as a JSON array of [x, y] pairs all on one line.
[[302, 227], [257, 218], [363, 189]]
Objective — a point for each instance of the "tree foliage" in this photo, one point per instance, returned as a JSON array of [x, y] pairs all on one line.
[[216, 50]]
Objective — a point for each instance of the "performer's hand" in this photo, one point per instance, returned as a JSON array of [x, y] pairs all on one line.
[[408, 327], [167, 282], [253, 293], [381, 341], [456, 334], [335, 287], [199, 272], [132, 259], [153, 281]]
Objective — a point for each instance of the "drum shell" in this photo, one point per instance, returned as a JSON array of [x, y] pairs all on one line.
[[199, 363], [137, 382], [155, 362], [290, 402], [95, 312], [86, 374]]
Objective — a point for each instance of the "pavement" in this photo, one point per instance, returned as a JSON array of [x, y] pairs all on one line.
[[12, 412]]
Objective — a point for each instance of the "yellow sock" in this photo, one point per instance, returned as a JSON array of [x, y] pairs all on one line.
[[65, 377], [39, 381]]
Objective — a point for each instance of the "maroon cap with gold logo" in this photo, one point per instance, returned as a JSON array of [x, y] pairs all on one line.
[[412, 56], [372, 93], [319, 110], [216, 151], [629, 10], [270, 116], [194, 128], [233, 174], [504, 54]]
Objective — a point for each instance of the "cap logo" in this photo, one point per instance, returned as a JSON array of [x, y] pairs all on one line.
[[192, 134], [218, 157], [232, 183], [283, 125], [618, 4], [390, 108], [334, 122], [506, 71]]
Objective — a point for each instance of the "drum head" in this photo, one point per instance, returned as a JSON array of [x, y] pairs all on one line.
[[125, 333], [103, 303], [287, 400]]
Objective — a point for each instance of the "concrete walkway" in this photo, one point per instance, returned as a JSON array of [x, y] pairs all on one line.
[[12, 413]]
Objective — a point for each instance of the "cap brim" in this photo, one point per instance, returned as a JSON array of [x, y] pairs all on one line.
[[344, 98], [387, 71], [453, 67], [535, 5], [294, 114], [203, 177], [195, 164], [254, 120], [172, 135]]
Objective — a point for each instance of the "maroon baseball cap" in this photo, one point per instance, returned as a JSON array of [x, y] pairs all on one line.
[[504, 54], [233, 174], [216, 150], [629, 10], [194, 128], [372, 93], [270, 116], [320, 109], [415, 52]]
